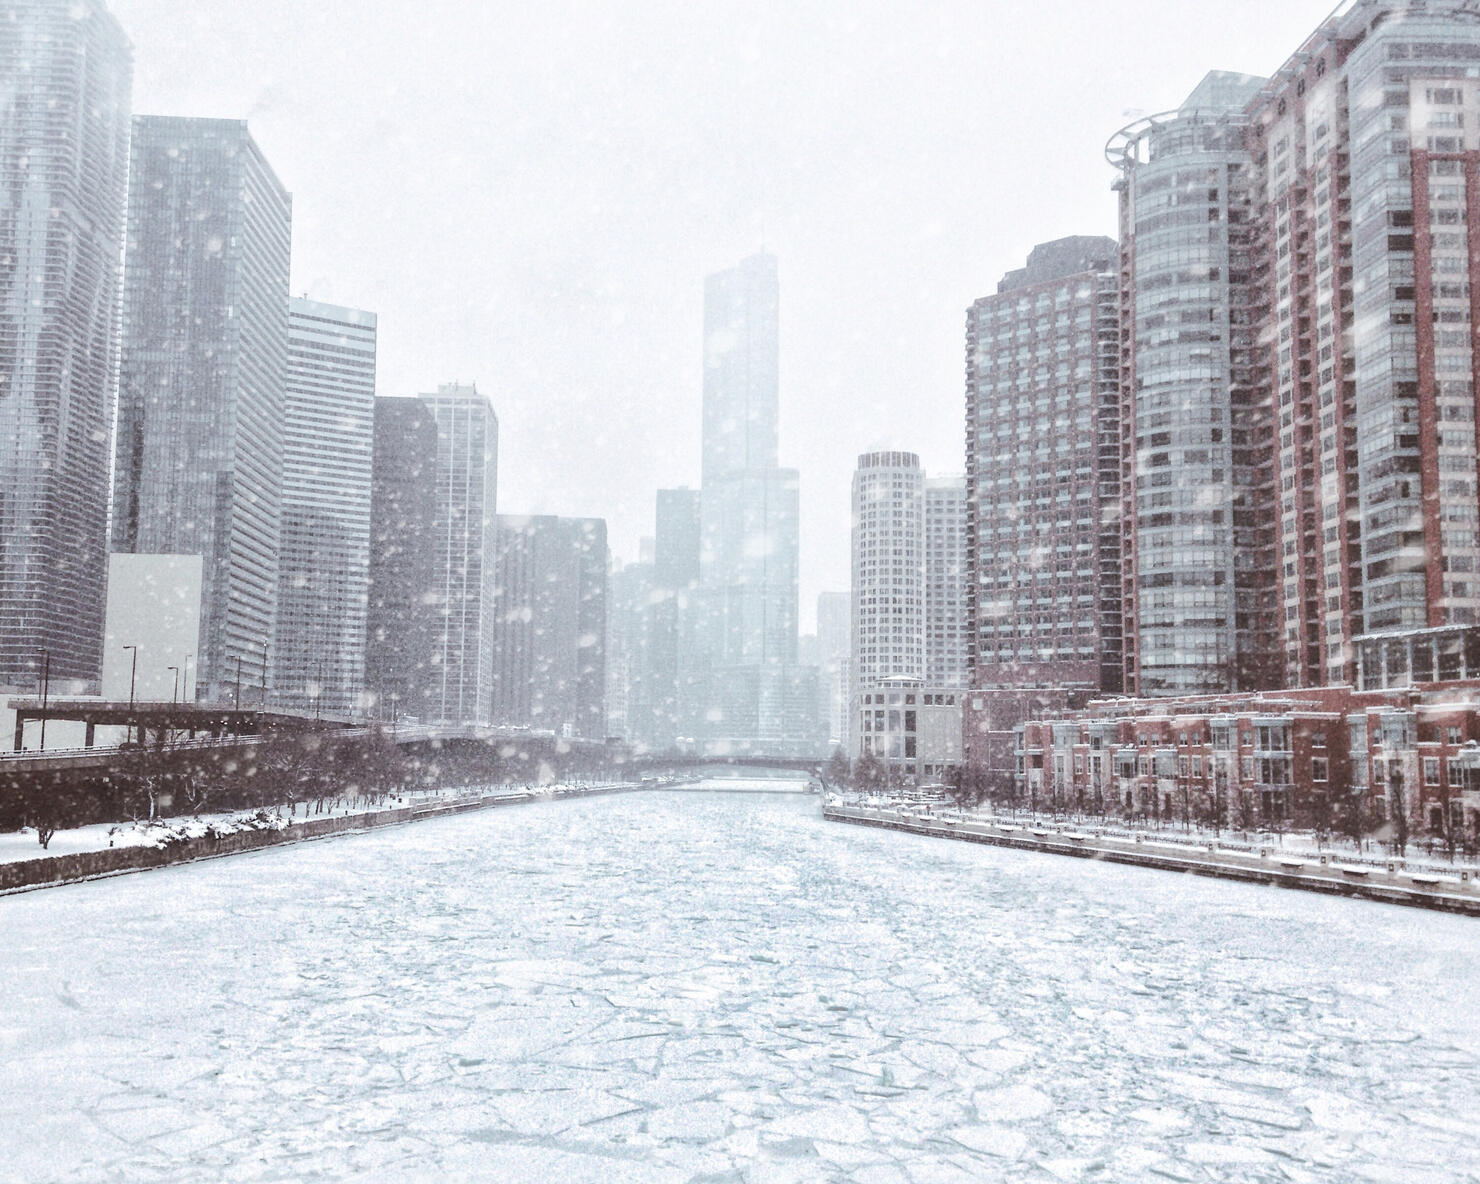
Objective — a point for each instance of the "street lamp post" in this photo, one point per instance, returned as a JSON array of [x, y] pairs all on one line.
[[238, 683], [45, 692], [264, 674], [132, 674], [185, 693], [174, 702]]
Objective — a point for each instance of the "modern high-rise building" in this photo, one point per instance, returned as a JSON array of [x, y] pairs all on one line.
[[628, 694], [944, 532], [1366, 145], [328, 444], [742, 331], [888, 569], [404, 628], [834, 643], [198, 466], [466, 533], [748, 539], [549, 653], [676, 543], [744, 682], [1043, 579], [1197, 530], [64, 129], [669, 705]]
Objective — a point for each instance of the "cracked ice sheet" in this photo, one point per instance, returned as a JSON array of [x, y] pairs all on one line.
[[600, 990]]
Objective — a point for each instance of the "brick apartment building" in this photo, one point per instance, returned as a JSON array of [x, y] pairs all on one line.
[[1305, 758]]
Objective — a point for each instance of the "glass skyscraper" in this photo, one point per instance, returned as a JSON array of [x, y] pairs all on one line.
[[748, 524], [550, 632], [64, 127], [464, 565], [327, 453], [404, 628], [199, 451], [1198, 533]]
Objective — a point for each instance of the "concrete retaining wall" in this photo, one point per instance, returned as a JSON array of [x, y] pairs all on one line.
[[1448, 894]]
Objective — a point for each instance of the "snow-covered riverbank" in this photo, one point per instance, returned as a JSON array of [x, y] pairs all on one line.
[[113, 850]]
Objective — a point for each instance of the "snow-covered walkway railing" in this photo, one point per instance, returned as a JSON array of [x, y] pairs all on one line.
[[1457, 892]]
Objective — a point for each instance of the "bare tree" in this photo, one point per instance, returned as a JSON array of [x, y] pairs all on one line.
[[1399, 808]]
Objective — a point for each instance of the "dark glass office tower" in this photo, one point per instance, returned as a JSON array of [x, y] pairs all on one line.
[[64, 128], [199, 461]]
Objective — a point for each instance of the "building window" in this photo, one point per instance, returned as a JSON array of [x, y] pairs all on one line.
[[1431, 770], [1319, 769]]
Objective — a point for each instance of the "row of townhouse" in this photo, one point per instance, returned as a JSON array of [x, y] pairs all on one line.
[[1320, 757]]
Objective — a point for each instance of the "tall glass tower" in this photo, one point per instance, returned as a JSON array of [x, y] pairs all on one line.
[[199, 464], [64, 126], [748, 520], [1198, 536], [465, 564], [330, 432]]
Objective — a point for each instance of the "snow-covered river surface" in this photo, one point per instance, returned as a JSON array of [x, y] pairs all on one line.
[[712, 987]]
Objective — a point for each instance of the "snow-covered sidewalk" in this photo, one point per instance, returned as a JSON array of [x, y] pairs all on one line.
[[1294, 844], [17, 846]]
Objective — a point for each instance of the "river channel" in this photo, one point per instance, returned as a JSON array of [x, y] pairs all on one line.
[[709, 986]]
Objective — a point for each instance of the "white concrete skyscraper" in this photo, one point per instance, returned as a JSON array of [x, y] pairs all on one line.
[[199, 463], [64, 127], [327, 451], [907, 594], [888, 569]]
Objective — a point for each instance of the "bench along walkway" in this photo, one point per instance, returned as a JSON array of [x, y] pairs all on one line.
[[1456, 894], [49, 871]]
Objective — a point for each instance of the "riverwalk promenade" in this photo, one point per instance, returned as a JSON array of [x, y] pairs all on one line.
[[1391, 883]]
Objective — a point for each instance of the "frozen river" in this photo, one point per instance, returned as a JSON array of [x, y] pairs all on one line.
[[711, 987]]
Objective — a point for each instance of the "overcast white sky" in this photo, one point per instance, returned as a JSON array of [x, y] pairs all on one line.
[[529, 196]]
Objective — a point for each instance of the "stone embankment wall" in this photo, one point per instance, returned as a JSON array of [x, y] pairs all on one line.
[[1457, 894], [48, 871]]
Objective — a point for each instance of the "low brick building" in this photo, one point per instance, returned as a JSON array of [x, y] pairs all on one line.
[[1326, 757]]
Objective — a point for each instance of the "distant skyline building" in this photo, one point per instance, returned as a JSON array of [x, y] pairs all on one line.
[[671, 705], [888, 590], [1198, 537], [64, 132], [676, 541], [327, 452], [550, 631], [629, 591], [745, 680], [1042, 583], [198, 466], [742, 333], [466, 533], [944, 525], [748, 533], [834, 644], [404, 630]]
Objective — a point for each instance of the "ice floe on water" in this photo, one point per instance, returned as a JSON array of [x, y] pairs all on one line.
[[697, 987]]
